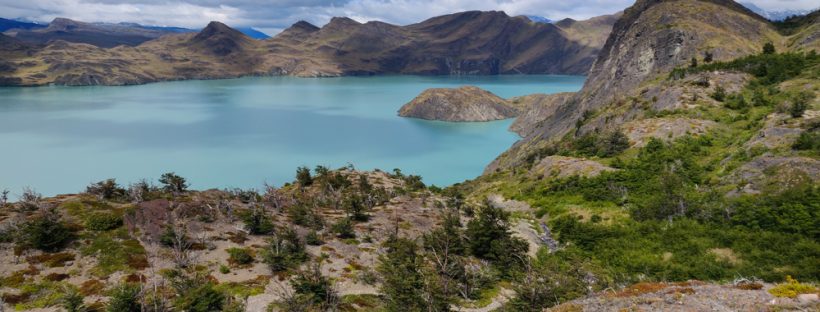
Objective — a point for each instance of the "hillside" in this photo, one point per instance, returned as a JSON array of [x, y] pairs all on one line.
[[473, 42]]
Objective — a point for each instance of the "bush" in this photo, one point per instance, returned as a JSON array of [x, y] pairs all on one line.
[[239, 256], [285, 251], [315, 288], [102, 221], [808, 140], [257, 222], [489, 238], [45, 232], [719, 94], [791, 288], [204, 298], [344, 229], [124, 298], [303, 176], [73, 301], [800, 103]]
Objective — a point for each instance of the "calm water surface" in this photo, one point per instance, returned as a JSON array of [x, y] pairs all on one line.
[[244, 132]]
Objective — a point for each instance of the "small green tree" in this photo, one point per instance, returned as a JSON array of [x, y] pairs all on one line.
[[73, 301], [708, 57], [45, 232], [768, 48], [173, 183], [800, 103], [344, 228], [400, 268], [694, 62], [719, 94], [257, 222], [303, 176], [285, 251], [315, 288], [489, 238], [204, 298], [106, 189], [124, 298]]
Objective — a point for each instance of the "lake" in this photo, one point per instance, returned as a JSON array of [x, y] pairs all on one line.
[[244, 132]]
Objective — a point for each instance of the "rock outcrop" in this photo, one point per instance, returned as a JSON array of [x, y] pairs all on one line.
[[462, 104]]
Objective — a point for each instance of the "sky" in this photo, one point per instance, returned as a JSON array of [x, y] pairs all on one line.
[[271, 16]]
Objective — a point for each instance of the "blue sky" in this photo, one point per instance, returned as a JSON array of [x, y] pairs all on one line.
[[273, 15]]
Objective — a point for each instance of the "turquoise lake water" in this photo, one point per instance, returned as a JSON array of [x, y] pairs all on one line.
[[244, 132]]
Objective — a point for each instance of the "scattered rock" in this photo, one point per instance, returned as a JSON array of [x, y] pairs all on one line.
[[639, 132]]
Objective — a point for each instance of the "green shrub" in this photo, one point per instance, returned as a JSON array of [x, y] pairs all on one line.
[[285, 251], [102, 221], [173, 183], [124, 298], [719, 94], [800, 103], [344, 229], [106, 189], [257, 222], [204, 298], [489, 237], [45, 232], [240, 256], [303, 176], [808, 140]]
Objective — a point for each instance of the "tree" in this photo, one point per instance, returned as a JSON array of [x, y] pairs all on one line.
[[303, 176], [173, 183], [403, 281], [257, 222], [285, 251], [72, 301], [201, 299], [800, 103], [124, 298], [344, 228], [489, 238], [444, 246], [106, 189], [694, 62], [768, 48], [315, 288], [708, 57], [719, 94], [45, 232]]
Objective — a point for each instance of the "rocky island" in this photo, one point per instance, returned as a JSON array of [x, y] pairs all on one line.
[[463, 104]]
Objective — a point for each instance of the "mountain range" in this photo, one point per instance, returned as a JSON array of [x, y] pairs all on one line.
[[75, 53], [775, 15]]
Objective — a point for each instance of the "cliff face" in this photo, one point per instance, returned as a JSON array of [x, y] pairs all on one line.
[[646, 43], [473, 42], [461, 104]]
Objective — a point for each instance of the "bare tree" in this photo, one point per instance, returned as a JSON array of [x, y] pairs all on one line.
[[30, 199], [181, 247]]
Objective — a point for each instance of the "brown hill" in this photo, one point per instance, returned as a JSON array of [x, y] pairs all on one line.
[[461, 104], [101, 35], [463, 43]]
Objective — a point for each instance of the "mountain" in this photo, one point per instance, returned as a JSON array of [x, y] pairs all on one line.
[[471, 42], [775, 15], [7, 24], [253, 33], [538, 19], [638, 50], [98, 34]]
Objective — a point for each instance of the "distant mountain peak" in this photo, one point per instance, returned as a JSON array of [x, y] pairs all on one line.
[[220, 39], [303, 25], [538, 19], [775, 15]]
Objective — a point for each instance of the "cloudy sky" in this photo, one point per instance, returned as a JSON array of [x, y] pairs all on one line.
[[271, 16]]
